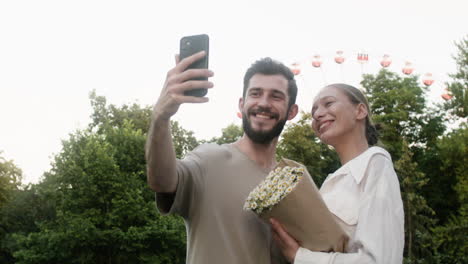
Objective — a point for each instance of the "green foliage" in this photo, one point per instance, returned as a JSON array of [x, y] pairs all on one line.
[[104, 211], [28, 208], [399, 107], [10, 179], [184, 140], [446, 164], [94, 205], [229, 134], [458, 105], [299, 143], [110, 115], [450, 238], [418, 215]]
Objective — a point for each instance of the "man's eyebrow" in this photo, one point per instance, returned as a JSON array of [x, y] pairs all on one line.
[[279, 92], [254, 89]]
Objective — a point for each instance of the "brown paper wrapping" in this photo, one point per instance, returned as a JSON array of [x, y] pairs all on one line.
[[305, 216]]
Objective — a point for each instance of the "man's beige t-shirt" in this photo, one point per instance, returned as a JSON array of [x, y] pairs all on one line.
[[214, 182]]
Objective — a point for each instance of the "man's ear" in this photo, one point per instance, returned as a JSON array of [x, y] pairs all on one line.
[[361, 112], [293, 110], [241, 104]]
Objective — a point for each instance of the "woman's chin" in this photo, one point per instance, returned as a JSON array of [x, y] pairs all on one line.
[[326, 138]]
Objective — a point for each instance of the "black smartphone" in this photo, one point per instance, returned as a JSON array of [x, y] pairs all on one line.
[[190, 45]]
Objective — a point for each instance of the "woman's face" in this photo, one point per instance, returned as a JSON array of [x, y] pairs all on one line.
[[334, 117]]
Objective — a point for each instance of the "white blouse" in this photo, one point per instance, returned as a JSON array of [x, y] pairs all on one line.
[[364, 195]]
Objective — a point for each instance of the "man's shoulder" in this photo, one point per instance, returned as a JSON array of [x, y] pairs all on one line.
[[213, 150]]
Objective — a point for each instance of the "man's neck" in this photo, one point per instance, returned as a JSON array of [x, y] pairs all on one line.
[[262, 154]]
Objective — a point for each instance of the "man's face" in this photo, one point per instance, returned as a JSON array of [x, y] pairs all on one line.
[[265, 107]]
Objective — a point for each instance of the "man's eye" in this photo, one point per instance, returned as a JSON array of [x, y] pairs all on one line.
[[327, 104]]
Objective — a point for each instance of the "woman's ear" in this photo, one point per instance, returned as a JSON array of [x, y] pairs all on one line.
[[361, 111]]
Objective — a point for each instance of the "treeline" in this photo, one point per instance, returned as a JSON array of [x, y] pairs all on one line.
[[94, 205]]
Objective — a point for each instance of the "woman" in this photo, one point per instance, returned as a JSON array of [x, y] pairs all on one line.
[[364, 194]]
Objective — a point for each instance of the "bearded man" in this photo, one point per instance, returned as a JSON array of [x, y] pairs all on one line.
[[209, 186]]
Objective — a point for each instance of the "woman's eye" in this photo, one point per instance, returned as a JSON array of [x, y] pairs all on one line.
[[327, 104]]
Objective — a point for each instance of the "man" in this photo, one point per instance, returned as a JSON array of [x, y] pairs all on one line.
[[209, 186]]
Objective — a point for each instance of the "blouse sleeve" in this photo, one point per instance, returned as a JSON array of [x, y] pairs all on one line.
[[380, 229]]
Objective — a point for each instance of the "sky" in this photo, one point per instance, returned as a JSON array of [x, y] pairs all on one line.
[[54, 53]]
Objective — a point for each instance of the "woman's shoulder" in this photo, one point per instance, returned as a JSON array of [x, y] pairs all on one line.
[[377, 151], [373, 159]]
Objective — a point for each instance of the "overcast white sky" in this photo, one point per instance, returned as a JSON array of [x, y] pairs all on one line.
[[53, 53]]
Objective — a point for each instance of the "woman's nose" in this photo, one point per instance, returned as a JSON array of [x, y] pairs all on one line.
[[318, 113]]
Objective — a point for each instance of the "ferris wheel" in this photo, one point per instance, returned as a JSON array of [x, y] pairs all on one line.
[[362, 58], [315, 63]]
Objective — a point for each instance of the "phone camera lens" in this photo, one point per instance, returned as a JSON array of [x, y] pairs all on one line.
[[188, 43]]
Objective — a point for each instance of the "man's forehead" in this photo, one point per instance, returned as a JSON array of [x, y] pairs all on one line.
[[263, 81]]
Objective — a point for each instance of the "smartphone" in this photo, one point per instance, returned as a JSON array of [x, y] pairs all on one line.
[[190, 45]]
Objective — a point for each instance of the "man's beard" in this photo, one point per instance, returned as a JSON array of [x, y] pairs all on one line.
[[262, 137]]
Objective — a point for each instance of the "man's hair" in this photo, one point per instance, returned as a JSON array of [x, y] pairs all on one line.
[[268, 66]]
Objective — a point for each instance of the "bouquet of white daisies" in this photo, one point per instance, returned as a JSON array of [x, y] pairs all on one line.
[[289, 195]]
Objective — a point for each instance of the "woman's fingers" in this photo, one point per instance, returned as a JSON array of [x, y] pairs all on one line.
[[288, 245], [279, 229]]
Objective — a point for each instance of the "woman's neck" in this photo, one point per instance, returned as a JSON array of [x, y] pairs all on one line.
[[350, 148]]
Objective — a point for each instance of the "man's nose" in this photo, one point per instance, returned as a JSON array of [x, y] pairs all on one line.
[[264, 101]]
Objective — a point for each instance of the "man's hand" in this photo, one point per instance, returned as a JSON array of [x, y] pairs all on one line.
[[172, 94], [288, 245]]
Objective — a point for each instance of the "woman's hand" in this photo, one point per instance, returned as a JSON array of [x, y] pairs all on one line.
[[288, 245]]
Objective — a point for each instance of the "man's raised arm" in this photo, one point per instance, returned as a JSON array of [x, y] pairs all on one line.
[[160, 153]]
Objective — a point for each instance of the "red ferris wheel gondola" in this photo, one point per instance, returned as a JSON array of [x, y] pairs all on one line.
[[408, 69], [363, 58], [386, 61], [316, 61], [295, 68], [447, 95], [427, 79], [339, 58]]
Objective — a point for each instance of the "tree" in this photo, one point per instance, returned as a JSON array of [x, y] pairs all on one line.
[[298, 142], [10, 179], [183, 140], [104, 213], [25, 211], [400, 108], [458, 105], [229, 134], [110, 115], [418, 215], [450, 237], [103, 209]]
